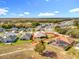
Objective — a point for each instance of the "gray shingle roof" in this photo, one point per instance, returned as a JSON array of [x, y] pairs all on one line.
[[26, 36]]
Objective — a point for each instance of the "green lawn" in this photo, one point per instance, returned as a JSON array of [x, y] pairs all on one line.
[[2, 44], [17, 42], [1, 33], [5, 48], [22, 42]]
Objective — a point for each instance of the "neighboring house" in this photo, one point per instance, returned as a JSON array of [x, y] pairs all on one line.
[[8, 40], [21, 29], [9, 37], [10, 34], [66, 39], [26, 36], [14, 30], [38, 28], [1, 29], [45, 27], [59, 43], [66, 23], [29, 29], [39, 34], [62, 42]]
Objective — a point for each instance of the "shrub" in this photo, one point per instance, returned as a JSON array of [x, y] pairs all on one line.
[[40, 47]]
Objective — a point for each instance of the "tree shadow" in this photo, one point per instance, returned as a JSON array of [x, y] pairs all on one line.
[[49, 54]]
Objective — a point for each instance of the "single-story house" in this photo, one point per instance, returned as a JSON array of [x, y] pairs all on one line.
[[22, 29], [26, 36], [29, 29], [10, 34], [62, 42], [8, 37], [8, 40], [45, 27], [14, 29], [39, 34], [1, 29], [66, 23], [39, 28], [59, 43]]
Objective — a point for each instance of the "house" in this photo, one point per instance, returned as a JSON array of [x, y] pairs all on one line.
[[8, 40], [10, 34], [45, 27], [39, 28], [21, 29], [14, 30], [66, 23], [1, 29], [39, 34], [59, 43], [26, 36], [62, 42], [29, 29], [8, 37]]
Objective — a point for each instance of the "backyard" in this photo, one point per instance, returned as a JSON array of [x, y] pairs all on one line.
[[24, 50]]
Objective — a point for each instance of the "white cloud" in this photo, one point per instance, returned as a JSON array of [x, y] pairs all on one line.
[[75, 10], [56, 11], [26, 13], [21, 15], [3, 11], [47, 14]]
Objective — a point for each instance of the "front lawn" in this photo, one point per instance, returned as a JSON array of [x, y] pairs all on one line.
[[22, 42], [18, 42]]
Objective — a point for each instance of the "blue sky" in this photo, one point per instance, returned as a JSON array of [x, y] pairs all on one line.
[[39, 8]]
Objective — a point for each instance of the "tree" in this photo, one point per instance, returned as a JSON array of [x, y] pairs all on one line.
[[60, 30], [40, 47], [57, 28], [7, 26], [34, 24], [76, 23], [73, 33]]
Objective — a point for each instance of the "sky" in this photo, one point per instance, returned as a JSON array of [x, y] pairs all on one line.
[[39, 8]]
